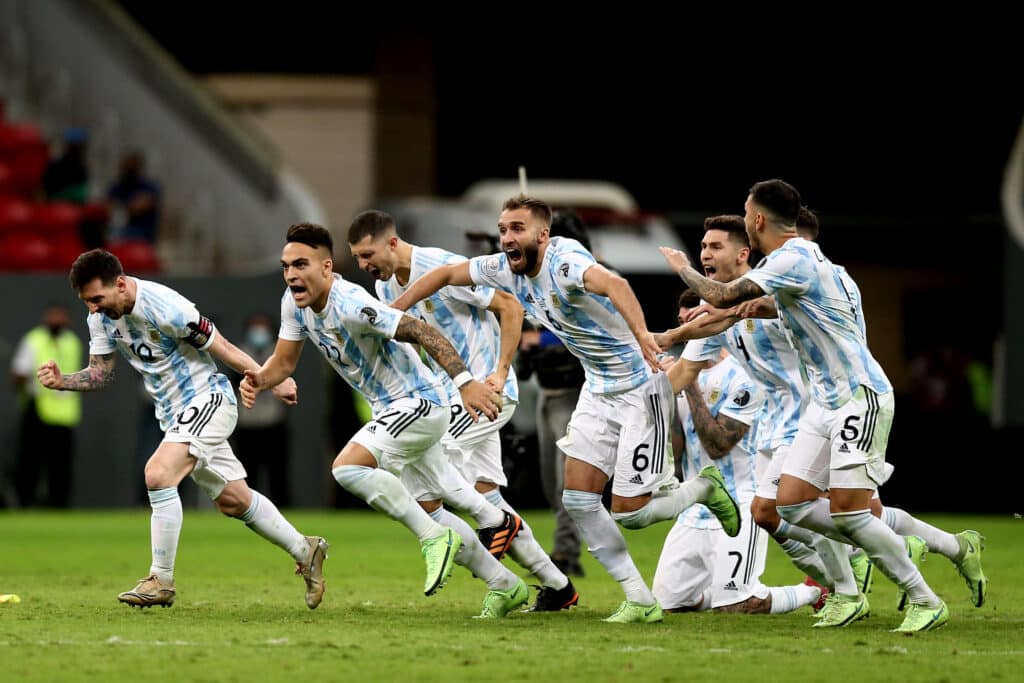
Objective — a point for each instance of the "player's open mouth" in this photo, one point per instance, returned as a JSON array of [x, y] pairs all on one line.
[[375, 274], [709, 270], [514, 255], [297, 289]]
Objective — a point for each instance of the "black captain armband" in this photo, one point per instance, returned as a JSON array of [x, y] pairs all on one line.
[[199, 333]]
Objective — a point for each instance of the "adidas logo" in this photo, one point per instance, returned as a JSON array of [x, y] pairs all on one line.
[[731, 586], [844, 448], [372, 429], [173, 430], [637, 479], [117, 333]]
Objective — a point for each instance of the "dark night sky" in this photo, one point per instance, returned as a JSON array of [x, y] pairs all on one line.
[[894, 125]]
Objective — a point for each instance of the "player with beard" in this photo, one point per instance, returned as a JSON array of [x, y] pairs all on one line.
[[621, 423]]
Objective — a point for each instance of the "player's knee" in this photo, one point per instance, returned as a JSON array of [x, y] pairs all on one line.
[[349, 476], [637, 519], [794, 514], [156, 476], [765, 515], [578, 503]]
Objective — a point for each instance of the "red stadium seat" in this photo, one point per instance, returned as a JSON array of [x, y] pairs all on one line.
[[55, 219], [25, 251], [136, 256], [15, 215]]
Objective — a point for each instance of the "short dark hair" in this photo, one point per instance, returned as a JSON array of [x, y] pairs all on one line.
[[688, 299], [98, 263], [538, 207], [312, 235], [807, 222], [567, 223], [733, 225], [373, 223], [779, 197]]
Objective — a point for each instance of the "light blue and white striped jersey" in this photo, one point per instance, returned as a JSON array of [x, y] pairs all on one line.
[[166, 339], [460, 313], [355, 333], [763, 349], [825, 319], [727, 390], [589, 325]]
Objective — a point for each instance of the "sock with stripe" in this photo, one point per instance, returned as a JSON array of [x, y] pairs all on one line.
[[464, 496], [384, 492], [526, 551], [666, 505], [888, 551], [473, 555], [904, 524], [605, 542], [835, 555], [164, 530], [265, 519], [790, 598], [802, 556]]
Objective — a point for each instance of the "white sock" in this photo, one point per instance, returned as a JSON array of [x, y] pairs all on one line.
[[526, 551], [814, 515], [790, 598], [666, 505], [383, 491], [605, 542], [473, 555], [888, 551], [805, 559], [904, 524], [164, 530], [265, 519], [465, 497]]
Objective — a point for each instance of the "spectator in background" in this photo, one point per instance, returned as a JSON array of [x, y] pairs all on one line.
[[66, 178], [262, 433], [49, 417], [134, 202]]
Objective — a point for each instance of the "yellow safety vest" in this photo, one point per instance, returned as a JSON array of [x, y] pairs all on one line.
[[60, 408]]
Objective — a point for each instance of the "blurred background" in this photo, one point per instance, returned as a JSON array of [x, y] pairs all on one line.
[[186, 137]]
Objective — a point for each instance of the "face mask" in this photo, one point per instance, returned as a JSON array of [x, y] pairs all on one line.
[[259, 337], [55, 329]]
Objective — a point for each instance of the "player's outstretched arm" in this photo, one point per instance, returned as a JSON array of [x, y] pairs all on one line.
[[274, 372], [476, 396], [717, 435], [599, 280], [719, 294], [456, 274], [709, 322], [510, 318], [239, 361], [99, 374], [763, 307]]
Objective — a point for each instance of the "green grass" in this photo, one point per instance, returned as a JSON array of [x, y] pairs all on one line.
[[240, 614]]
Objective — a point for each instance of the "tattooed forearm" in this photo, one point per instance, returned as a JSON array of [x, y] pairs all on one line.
[[718, 436], [720, 294], [437, 347], [99, 374]]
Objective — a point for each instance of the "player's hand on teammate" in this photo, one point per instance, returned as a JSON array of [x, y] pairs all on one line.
[[761, 307], [49, 375], [496, 381], [287, 392], [250, 387], [677, 259], [664, 340], [479, 399], [650, 348], [706, 314], [666, 361]]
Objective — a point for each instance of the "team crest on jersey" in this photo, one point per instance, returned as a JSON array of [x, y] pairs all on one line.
[[340, 337], [154, 336], [714, 395], [428, 305], [368, 314], [492, 265], [750, 325], [554, 300], [742, 398]]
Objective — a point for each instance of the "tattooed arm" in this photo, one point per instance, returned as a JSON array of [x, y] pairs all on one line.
[[717, 435], [476, 396], [98, 375], [718, 294]]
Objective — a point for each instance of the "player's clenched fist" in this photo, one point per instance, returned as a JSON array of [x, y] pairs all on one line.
[[49, 375]]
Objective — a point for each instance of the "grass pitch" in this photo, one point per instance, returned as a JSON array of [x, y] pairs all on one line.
[[240, 614]]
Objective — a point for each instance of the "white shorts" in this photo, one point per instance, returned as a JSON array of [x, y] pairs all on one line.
[[768, 471], [844, 448], [625, 435], [474, 448], [205, 425], [695, 560], [405, 438]]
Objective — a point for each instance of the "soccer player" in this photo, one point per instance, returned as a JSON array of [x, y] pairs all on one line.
[[466, 315], [700, 567], [172, 345], [395, 461], [621, 423], [842, 435]]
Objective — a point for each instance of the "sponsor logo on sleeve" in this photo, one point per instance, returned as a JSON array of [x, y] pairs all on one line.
[[369, 315], [742, 398]]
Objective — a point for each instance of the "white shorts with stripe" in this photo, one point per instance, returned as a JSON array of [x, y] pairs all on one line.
[[844, 448], [625, 435], [474, 448], [768, 469], [694, 560], [205, 425], [405, 438]]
